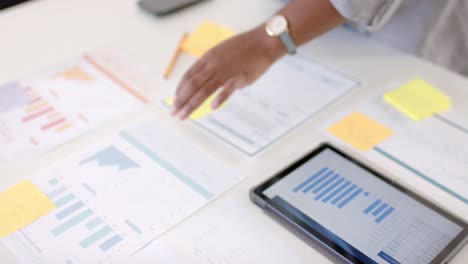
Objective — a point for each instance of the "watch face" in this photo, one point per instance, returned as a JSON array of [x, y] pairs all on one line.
[[277, 26]]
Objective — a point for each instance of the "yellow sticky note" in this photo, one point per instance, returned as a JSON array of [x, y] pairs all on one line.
[[205, 37], [418, 99], [202, 111], [22, 205], [360, 131]]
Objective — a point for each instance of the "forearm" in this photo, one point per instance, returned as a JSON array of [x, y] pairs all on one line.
[[307, 20], [241, 60]]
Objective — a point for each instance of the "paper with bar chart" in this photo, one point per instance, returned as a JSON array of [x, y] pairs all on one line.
[[59, 104], [116, 197], [369, 218], [434, 149]]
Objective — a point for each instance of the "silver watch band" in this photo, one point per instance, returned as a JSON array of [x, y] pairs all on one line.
[[288, 42]]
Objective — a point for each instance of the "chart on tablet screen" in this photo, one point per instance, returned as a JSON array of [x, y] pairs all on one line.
[[349, 204], [54, 106], [329, 187]]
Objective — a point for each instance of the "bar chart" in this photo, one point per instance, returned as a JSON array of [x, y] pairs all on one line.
[[40, 110], [72, 212], [116, 196], [379, 209], [329, 187], [58, 104], [111, 156]]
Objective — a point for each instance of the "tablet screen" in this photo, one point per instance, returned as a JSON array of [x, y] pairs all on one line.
[[364, 215]]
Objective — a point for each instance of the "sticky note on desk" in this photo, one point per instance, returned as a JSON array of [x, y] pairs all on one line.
[[360, 131], [418, 99], [202, 111], [205, 37], [22, 205]]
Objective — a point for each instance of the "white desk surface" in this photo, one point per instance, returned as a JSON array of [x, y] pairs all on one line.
[[44, 32]]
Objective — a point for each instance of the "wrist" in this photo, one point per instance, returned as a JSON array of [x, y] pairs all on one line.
[[272, 46]]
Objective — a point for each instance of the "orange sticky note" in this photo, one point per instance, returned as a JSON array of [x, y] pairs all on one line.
[[205, 37], [202, 111], [360, 131], [418, 99], [21, 205]]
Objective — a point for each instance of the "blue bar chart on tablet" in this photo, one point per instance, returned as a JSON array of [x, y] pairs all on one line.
[[360, 211], [380, 210], [329, 187]]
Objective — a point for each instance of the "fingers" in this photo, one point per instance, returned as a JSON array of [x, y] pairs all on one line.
[[196, 100], [228, 89], [193, 80]]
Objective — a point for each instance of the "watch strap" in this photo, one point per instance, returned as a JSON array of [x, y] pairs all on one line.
[[288, 42]]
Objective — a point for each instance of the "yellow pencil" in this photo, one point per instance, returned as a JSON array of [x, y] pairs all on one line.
[[176, 54]]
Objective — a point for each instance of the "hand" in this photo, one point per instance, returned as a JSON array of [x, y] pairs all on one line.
[[232, 65]]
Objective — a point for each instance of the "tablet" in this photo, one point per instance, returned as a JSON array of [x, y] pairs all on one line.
[[358, 214]]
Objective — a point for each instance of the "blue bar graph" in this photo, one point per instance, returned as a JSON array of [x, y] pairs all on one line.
[[74, 215], [350, 198], [112, 156], [337, 191], [384, 215], [343, 195], [317, 182], [95, 237], [69, 210], [309, 180], [56, 192], [72, 222], [329, 189], [94, 223], [318, 189], [372, 206], [325, 185], [380, 209], [64, 200], [110, 243]]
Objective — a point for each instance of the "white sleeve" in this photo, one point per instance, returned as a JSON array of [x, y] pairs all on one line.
[[368, 15]]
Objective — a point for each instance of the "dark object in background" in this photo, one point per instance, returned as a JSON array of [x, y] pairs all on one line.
[[165, 7], [9, 3]]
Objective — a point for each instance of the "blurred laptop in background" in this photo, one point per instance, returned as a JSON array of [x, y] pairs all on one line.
[[9, 3]]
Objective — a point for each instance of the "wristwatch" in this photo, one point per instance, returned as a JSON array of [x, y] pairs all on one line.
[[278, 27]]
